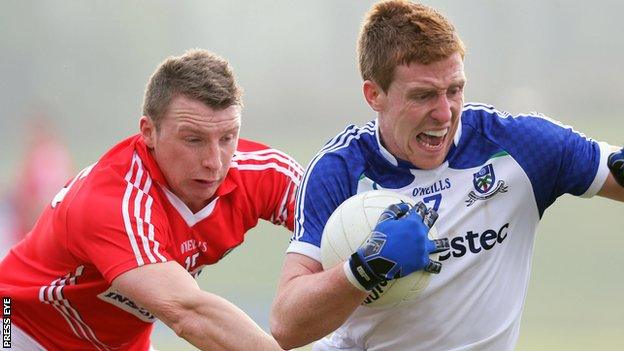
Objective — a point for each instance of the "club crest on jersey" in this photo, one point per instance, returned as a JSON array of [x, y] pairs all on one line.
[[484, 179], [485, 184]]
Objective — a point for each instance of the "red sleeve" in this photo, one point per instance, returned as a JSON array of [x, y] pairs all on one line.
[[271, 178], [115, 223]]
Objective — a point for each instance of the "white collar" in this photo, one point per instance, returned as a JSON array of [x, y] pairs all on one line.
[[189, 217]]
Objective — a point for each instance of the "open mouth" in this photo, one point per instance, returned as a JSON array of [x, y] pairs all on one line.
[[432, 139]]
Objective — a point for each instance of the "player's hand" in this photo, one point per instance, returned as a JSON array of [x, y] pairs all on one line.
[[398, 246], [616, 165]]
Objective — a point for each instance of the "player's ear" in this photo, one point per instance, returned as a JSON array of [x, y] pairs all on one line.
[[148, 131], [374, 95]]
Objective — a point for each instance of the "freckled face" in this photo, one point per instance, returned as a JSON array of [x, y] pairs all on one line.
[[193, 147], [420, 112]]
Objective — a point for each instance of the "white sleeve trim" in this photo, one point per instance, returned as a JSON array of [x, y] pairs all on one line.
[[351, 278], [601, 173], [306, 249]]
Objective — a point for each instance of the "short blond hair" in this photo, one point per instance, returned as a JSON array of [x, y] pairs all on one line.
[[199, 75], [400, 32]]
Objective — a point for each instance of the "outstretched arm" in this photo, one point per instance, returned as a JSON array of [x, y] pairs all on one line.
[[205, 320]]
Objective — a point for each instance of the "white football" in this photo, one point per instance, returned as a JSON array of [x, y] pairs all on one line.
[[349, 226]]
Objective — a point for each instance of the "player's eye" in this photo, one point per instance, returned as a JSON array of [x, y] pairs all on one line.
[[227, 138], [454, 91], [192, 140], [422, 97]]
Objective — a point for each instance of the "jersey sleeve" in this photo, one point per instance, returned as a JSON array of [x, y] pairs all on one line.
[[326, 184], [556, 158], [118, 226], [272, 178]]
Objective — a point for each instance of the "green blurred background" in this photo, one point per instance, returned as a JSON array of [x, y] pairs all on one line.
[[83, 65]]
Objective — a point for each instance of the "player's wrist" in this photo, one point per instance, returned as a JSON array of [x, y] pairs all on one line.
[[346, 267], [360, 274]]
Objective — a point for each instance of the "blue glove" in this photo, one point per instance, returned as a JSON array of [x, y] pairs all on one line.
[[616, 165], [397, 246]]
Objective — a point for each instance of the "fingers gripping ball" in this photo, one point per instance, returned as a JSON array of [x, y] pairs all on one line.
[[616, 166], [399, 243], [366, 224]]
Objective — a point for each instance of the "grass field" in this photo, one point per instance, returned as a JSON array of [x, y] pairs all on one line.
[[574, 300]]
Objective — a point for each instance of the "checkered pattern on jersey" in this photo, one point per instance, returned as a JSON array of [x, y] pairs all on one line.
[[385, 174], [556, 158]]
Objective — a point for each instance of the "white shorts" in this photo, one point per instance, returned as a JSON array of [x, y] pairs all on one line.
[[326, 344]]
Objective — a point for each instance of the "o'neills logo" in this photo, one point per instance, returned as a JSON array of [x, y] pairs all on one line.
[[113, 297]]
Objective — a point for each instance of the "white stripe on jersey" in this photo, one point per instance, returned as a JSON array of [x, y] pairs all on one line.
[[282, 163], [137, 215], [555, 122], [134, 189], [340, 141], [337, 140], [272, 165], [126, 214], [148, 219], [149, 240], [267, 154], [478, 104], [61, 194], [45, 290], [489, 108], [486, 108], [283, 208], [53, 295]]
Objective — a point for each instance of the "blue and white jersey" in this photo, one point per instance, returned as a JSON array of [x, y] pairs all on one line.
[[499, 177]]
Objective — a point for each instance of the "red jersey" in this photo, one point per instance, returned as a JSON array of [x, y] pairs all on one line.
[[117, 215]]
